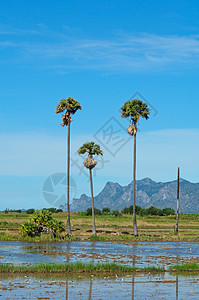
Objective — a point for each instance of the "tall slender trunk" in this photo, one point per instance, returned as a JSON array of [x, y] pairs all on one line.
[[176, 287], [133, 287], [133, 278], [93, 211], [177, 212], [135, 230], [68, 181], [90, 290], [66, 288]]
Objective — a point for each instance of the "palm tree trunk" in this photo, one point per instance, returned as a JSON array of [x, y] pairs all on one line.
[[93, 211], [135, 230], [177, 213], [68, 181]]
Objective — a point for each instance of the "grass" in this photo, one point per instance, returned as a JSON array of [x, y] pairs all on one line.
[[185, 267], [93, 268], [109, 228], [75, 267]]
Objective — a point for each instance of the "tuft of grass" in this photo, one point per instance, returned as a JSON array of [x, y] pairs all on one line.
[[185, 267], [74, 267]]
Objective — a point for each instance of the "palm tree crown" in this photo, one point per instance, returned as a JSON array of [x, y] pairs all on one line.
[[91, 148], [135, 109], [71, 106]]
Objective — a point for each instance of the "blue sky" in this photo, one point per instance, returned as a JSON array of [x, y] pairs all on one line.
[[100, 53]]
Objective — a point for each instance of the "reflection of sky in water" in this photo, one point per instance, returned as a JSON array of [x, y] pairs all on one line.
[[139, 286], [138, 253]]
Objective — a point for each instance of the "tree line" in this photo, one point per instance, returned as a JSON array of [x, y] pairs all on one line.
[[140, 211]]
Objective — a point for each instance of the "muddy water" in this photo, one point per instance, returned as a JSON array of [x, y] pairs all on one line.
[[136, 253], [137, 286], [164, 286]]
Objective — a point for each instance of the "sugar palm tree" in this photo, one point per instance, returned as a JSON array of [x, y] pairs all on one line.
[[92, 149], [134, 109], [69, 106]]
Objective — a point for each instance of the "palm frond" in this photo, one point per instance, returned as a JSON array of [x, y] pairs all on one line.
[[71, 106], [135, 109], [91, 148]]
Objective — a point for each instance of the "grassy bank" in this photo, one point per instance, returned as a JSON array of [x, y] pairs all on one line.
[[79, 267], [109, 228], [75, 267], [186, 267]]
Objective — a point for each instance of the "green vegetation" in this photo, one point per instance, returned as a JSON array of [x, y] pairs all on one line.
[[30, 211], [109, 227], [105, 211], [75, 267], [42, 221], [153, 211], [185, 267], [6, 211]]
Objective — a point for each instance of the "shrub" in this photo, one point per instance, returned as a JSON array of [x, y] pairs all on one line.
[[30, 211], [96, 211], [30, 229], [82, 213], [42, 222], [154, 211], [106, 210], [168, 211], [116, 213]]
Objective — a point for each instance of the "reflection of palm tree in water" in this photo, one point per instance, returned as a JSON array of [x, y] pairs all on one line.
[[67, 261], [176, 287], [67, 288], [133, 277], [93, 253], [90, 289]]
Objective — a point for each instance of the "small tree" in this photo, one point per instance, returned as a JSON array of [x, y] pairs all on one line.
[[134, 109], [92, 149], [70, 106]]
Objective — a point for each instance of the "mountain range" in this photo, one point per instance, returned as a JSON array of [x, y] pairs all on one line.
[[149, 193]]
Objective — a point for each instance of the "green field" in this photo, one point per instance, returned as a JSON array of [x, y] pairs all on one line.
[[150, 228]]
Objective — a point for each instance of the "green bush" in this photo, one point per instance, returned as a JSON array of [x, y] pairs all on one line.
[[153, 211], [168, 211], [30, 229], [116, 213], [30, 211], [82, 213], [96, 211], [42, 222], [106, 211]]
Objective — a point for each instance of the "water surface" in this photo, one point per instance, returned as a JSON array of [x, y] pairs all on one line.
[[139, 286], [136, 253]]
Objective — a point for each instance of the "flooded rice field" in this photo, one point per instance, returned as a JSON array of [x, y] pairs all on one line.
[[139, 253], [146, 286], [78, 286]]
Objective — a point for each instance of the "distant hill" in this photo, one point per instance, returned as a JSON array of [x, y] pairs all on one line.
[[149, 193]]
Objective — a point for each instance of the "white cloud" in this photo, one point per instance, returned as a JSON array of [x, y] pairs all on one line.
[[125, 51]]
